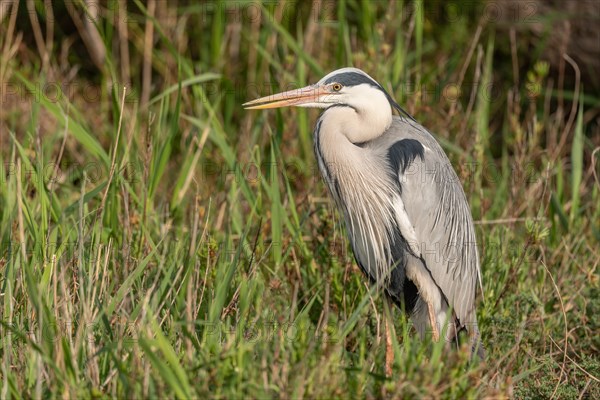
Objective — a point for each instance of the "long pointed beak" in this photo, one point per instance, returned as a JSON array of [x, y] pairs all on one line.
[[296, 97]]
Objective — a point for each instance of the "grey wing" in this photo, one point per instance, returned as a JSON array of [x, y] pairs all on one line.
[[437, 208]]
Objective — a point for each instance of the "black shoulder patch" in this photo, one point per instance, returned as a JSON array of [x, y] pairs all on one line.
[[402, 153]]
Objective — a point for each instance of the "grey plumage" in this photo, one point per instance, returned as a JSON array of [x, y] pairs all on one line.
[[405, 211], [436, 205]]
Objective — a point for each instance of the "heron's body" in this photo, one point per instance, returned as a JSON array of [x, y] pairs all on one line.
[[419, 249], [406, 213]]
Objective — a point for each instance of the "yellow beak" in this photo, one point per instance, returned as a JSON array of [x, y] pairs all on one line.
[[308, 94]]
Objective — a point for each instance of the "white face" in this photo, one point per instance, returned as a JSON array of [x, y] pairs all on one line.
[[365, 112]]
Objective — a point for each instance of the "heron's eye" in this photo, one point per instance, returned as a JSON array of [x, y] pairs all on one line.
[[336, 87]]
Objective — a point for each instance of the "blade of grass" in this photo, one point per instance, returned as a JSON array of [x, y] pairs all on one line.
[[576, 164], [77, 130], [291, 42]]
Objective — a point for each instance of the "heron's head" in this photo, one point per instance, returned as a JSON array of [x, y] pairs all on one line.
[[347, 87]]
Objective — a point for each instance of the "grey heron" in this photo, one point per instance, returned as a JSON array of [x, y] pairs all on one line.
[[406, 214]]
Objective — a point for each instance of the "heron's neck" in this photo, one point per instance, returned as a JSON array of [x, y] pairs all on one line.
[[341, 130], [358, 125], [354, 177]]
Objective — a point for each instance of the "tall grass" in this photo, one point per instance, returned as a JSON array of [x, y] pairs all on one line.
[[184, 247]]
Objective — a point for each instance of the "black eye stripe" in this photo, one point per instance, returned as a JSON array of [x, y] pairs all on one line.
[[351, 79]]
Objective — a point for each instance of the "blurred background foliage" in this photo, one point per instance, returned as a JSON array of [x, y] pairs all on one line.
[[151, 227]]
